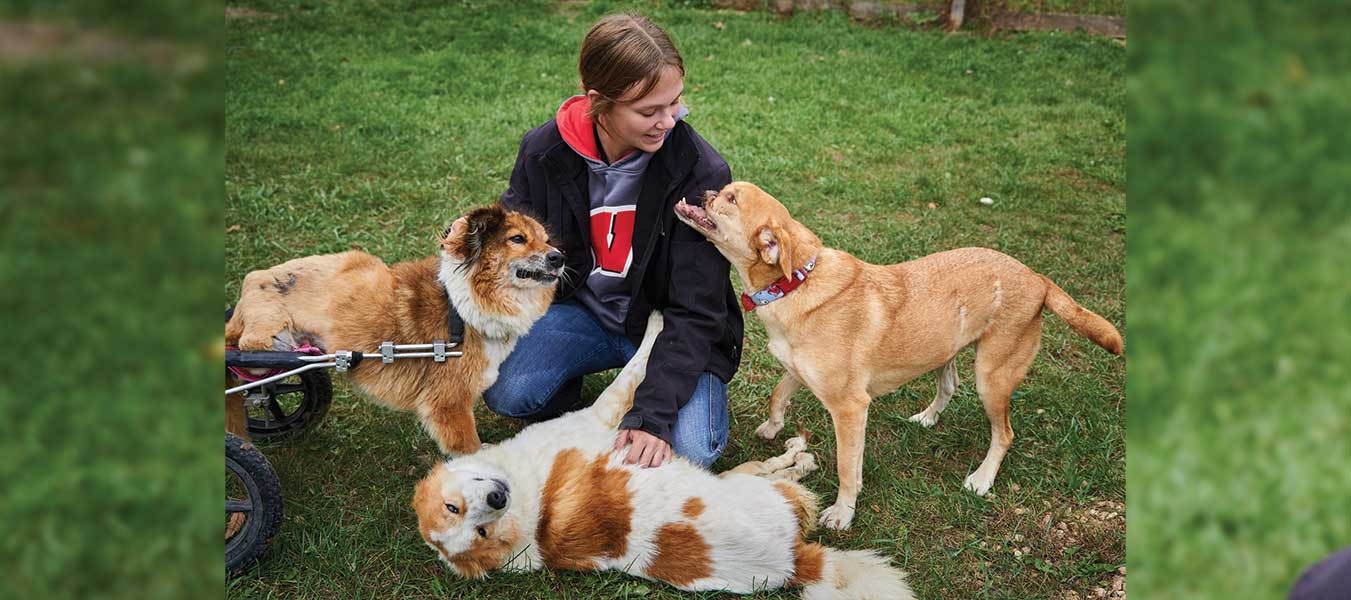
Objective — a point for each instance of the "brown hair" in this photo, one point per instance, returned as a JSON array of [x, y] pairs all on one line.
[[623, 52]]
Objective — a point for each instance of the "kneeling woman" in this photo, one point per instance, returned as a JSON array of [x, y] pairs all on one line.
[[604, 176]]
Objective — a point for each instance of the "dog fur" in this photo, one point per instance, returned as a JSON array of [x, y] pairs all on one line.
[[557, 496], [497, 268], [853, 331]]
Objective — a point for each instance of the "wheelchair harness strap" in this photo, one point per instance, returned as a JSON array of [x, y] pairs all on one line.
[[454, 323]]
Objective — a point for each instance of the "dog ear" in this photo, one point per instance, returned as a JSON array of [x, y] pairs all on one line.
[[452, 234], [776, 248], [467, 237]]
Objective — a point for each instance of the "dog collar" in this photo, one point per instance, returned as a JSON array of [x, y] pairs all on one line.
[[778, 289]]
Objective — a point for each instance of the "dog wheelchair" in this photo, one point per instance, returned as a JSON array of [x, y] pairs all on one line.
[[291, 395]]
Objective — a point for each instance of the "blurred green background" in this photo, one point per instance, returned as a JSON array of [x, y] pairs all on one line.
[[111, 247], [1239, 372]]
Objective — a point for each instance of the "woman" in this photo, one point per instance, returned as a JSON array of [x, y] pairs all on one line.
[[604, 176], [1328, 579]]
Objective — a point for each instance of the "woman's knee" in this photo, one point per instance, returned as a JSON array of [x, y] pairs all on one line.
[[515, 397], [703, 453], [701, 428]]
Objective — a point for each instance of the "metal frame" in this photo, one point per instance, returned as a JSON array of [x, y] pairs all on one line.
[[342, 360]]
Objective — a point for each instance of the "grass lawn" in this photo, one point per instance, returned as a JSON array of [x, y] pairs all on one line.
[[1240, 381], [371, 126]]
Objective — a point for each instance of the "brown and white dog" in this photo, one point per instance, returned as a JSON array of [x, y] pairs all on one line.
[[495, 266], [556, 496], [851, 331]]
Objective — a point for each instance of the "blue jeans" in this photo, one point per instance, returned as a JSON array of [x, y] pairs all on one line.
[[541, 378]]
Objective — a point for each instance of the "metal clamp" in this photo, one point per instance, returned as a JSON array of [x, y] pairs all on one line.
[[343, 360], [439, 351], [386, 352]]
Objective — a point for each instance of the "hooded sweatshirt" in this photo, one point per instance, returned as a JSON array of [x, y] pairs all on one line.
[[613, 190]]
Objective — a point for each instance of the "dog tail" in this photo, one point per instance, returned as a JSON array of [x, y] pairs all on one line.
[[617, 399], [854, 575], [1084, 321]]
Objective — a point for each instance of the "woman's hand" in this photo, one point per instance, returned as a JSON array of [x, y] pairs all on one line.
[[644, 448]]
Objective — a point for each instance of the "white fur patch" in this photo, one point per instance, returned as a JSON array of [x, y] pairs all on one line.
[[490, 325]]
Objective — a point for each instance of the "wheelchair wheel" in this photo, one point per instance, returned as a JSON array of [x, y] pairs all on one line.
[[253, 504], [292, 405]]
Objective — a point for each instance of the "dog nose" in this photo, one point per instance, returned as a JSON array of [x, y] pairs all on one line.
[[554, 258], [497, 500]]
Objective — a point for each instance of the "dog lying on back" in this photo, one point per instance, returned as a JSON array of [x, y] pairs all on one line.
[[495, 267], [851, 331], [556, 496]]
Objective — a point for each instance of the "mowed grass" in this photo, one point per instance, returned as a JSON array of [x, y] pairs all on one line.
[[1240, 391], [372, 126]]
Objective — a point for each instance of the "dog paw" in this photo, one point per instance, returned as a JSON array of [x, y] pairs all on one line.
[[978, 483], [925, 418], [837, 517], [795, 444], [805, 462], [769, 429]]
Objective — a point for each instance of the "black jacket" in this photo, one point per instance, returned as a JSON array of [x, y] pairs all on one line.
[[674, 268]]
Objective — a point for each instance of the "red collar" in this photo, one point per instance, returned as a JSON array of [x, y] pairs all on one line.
[[778, 289]]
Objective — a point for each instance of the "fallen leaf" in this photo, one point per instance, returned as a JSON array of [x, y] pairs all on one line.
[[232, 229]]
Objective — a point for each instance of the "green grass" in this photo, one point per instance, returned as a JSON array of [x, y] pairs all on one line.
[[1240, 392], [110, 245], [351, 125]]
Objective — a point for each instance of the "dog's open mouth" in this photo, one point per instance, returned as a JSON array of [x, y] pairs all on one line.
[[540, 276], [695, 215]]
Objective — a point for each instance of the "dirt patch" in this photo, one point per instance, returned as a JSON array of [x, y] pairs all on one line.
[[36, 41], [933, 14], [233, 12], [1095, 24], [1093, 531]]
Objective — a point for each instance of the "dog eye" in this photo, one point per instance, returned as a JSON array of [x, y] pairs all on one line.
[[482, 532], [518, 239], [731, 198], [454, 510]]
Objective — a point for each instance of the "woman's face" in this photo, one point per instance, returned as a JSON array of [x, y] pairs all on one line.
[[642, 122]]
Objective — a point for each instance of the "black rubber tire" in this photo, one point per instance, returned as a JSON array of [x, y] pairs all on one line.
[[316, 388], [263, 516]]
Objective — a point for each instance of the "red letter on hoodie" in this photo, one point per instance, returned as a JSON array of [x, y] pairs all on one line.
[[612, 239]]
